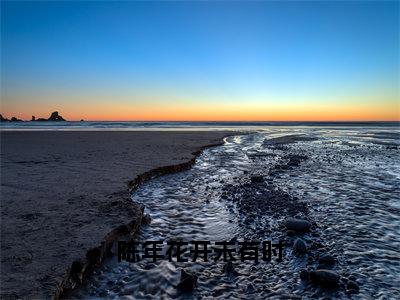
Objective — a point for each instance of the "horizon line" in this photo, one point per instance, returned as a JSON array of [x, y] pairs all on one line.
[[220, 121]]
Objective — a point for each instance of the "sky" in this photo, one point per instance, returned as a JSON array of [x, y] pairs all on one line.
[[194, 61]]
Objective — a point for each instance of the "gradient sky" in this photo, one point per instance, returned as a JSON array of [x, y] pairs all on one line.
[[201, 60]]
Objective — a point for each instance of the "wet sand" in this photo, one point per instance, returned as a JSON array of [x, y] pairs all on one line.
[[330, 195], [63, 192]]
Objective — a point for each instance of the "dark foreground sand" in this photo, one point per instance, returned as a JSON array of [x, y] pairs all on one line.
[[63, 192]]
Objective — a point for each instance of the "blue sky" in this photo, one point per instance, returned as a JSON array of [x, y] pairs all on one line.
[[193, 54]]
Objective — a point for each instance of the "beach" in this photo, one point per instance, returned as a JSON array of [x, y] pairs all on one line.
[[328, 195], [199, 150], [62, 192]]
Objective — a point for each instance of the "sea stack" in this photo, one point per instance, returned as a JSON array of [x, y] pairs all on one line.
[[55, 117]]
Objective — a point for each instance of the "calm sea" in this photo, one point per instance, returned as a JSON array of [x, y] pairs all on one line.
[[101, 125]]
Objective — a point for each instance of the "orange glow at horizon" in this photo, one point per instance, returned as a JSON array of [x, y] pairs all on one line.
[[215, 112]]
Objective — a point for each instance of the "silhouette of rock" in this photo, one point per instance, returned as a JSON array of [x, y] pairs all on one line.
[[3, 119], [14, 119], [33, 118], [55, 117]]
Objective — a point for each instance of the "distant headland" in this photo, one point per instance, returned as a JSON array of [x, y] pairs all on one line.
[[54, 117]]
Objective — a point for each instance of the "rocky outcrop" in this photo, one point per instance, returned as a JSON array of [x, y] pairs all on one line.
[[14, 119], [55, 117]]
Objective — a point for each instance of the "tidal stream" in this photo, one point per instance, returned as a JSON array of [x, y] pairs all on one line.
[[344, 181]]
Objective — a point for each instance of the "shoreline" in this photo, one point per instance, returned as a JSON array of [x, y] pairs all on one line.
[[114, 208], [164, 170], [84, 271]]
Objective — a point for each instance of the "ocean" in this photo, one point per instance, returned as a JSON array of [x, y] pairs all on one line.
[[136, 125]]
